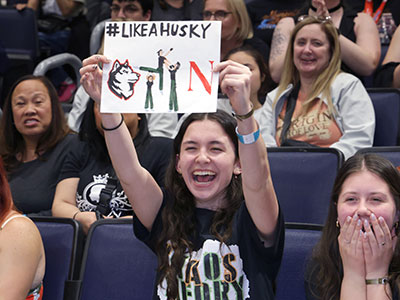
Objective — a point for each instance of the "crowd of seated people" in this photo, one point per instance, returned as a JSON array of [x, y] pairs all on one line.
[[306, 72]]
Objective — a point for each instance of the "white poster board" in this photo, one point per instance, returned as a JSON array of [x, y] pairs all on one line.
[[161, 66]]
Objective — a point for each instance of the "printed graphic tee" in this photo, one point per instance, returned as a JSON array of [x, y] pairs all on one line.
[[315, 127], [240, 269]]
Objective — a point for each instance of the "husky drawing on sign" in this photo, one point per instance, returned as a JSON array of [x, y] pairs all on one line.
[[122, 80]]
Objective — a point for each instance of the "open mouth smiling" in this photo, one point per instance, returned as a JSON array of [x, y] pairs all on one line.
[[203, 176]]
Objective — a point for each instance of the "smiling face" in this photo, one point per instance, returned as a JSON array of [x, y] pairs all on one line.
[[207, 162], [31, 108], [311, 51], [365, 193]]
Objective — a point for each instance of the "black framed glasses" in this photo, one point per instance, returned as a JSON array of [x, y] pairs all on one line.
[[218, 15]]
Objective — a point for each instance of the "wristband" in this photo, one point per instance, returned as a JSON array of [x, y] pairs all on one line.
[[116, 127], [382, 280], [245, 116], [248, 138]]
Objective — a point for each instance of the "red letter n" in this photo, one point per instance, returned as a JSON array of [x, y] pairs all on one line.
[[206, 84]]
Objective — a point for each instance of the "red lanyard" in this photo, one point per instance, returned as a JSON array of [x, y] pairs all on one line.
[[369, 9]]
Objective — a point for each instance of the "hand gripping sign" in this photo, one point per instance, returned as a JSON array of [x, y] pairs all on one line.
[[161, 66]]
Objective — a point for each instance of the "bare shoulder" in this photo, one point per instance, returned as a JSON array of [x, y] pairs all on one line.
[[21, 230]]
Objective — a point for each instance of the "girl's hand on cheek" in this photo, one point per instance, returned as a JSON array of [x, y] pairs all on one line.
[[351, 247], [378, 247]]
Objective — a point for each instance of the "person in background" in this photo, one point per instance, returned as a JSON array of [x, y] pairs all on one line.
[[62, 27], [359, 38], [218, 204], [388, 74], [358, 256], [87, 173], [316, 104], [34, 141], [177, 10], [159, 124], [261, 82], [22, 257], [236, 28]]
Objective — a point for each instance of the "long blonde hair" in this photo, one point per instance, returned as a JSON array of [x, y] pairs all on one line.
[[322, 84]]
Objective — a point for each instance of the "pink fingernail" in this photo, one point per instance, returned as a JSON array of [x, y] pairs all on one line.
[[373, 217]]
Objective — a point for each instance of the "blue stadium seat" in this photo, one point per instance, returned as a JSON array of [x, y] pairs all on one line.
[[20, 41], [386, 103], [63, 240], [115, 264], [300, 239], [303, 180], [390, 153]]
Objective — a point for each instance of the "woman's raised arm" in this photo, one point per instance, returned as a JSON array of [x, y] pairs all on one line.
[[258, 189]]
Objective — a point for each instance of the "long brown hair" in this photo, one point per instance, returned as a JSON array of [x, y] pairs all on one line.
[[179, 221], [6, 204], [325, 273], [11, 140]]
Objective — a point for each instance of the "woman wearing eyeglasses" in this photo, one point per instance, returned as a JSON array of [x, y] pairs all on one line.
[[359, 38], [316, 104], [236, 28]]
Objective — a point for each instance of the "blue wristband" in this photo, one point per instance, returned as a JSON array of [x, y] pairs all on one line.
[[248, 138]]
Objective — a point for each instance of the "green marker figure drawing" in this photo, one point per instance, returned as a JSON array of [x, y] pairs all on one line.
[[162, 60], [173, 98], [149, 96]]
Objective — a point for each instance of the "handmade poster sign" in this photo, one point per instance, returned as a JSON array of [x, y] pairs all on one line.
[[161, 66]]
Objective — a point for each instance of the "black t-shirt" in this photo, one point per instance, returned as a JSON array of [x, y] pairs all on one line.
[[241, 269], [383, 76], [192, 10], [33, 183], [153, 153]]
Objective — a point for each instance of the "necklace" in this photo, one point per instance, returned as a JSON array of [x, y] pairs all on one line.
[[331, 10]]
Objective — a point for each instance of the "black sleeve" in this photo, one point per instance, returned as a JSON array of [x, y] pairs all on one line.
[[384, 75]]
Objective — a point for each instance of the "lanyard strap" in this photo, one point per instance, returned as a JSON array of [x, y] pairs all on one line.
[[369, 9]]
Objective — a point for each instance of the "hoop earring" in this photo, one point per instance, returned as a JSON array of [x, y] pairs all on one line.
[[337, 224]]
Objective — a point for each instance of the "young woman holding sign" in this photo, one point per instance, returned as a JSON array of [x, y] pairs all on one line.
[[219, 206]]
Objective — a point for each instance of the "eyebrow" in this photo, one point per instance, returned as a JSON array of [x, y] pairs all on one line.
[[191, 142], [369, 194]]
